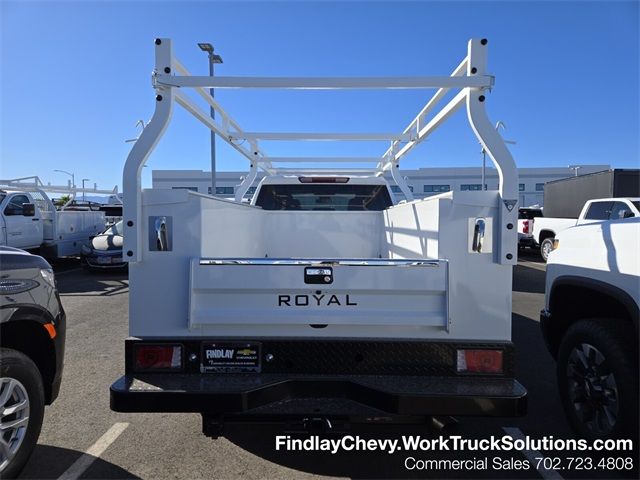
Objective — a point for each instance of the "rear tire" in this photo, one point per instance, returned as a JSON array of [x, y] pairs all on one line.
[[21, 392], [598, 379], [546, 247]]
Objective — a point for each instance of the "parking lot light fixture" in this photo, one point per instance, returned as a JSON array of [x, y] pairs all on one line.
[[213, 59], [84, 180], [73, 177]]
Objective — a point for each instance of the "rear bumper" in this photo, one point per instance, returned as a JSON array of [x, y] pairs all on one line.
[[91, 261], [233, 394], [526, 240]]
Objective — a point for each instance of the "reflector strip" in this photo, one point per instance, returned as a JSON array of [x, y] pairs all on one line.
[[479, 361], [51, 329], [158, 357]]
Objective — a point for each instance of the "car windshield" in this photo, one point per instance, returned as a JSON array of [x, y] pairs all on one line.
[[636, 203], [115, 229], [333, 197]]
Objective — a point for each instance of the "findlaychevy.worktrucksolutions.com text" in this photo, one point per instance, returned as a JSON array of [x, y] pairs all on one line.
[[505, 443]]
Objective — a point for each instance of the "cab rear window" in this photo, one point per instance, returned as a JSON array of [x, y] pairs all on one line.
[[529, 213], [333, 197]]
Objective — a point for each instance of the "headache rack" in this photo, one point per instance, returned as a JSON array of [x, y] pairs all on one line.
[[470, 80]]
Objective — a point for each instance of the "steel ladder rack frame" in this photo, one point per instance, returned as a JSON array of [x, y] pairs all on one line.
[[34, 184], [470, 78], [38, 189]]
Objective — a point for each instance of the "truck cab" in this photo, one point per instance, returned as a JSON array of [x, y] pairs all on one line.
[[29, 219], [20, 220], [609, 209], [545, 229]]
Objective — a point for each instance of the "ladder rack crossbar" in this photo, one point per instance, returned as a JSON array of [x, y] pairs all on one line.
[[322, 136], [327, 83], [324, 159], [326, 171]]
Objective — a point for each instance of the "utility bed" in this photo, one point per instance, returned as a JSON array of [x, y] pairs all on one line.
[[321, 298]]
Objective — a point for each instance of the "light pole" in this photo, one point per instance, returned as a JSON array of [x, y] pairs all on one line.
[[575, 169], [138, 123], [73, 177], [213, 59], [84, 180]]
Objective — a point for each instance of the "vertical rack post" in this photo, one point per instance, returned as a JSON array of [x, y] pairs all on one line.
[[495, 147], [131, 181]]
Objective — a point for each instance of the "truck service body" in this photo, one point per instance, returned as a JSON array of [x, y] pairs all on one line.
[[321, 298], [30, 220]]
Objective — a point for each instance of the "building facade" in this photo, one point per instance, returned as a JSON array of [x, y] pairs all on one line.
[[424, 182]]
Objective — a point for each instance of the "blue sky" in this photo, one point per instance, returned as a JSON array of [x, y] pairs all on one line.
[[76, 78]]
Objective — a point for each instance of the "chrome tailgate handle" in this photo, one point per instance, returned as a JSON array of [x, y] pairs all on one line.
[[478, 235]]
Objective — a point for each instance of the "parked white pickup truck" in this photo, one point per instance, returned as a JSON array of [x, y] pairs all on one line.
[[321, 299], [590, 325], [545, 229], [29, 220], [525, 225]]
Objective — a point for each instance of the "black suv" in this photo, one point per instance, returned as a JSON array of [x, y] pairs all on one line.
[[32, 331]]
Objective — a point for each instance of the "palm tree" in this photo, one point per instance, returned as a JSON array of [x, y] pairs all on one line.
[[62, 200]]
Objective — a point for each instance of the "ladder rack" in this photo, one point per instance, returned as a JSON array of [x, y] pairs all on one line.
[[33, 184], [469, 79]]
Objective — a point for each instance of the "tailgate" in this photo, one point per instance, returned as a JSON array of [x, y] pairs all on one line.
[[318, 292]]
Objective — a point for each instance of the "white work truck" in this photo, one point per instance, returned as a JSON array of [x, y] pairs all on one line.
[[320, 299], [30, 220], [545, 229], [590, 325]]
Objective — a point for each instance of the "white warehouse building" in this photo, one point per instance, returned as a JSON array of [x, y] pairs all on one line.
[[424, 182]]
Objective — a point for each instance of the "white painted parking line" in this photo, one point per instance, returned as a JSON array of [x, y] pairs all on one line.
[[57, 274], [538, 266], [93, 452], [531, 455]]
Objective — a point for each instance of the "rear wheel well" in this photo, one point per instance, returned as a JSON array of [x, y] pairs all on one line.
[[31, 338], [544, 234], [571, 303]]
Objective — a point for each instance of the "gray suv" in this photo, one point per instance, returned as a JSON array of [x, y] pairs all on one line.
[[32, 332]]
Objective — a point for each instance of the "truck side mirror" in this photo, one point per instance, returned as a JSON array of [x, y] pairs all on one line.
[[28, 209], [628, 214]]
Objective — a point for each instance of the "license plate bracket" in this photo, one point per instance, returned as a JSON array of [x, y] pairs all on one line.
[[230, 357]]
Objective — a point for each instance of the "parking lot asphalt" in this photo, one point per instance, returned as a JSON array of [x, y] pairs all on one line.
[[82, 438]]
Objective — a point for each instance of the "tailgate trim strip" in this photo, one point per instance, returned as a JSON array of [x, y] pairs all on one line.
[[359, 262]]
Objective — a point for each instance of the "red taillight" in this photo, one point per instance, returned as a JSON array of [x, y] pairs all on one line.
[[480, 361], [161, 357], [525, 226], [323, 179]]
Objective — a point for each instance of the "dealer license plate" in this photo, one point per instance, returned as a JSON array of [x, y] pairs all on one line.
[[230, 357]]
